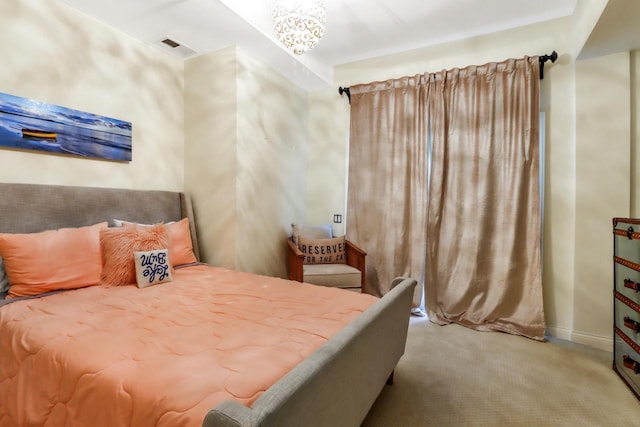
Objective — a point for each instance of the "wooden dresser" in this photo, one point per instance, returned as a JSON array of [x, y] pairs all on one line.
[[626, 301]]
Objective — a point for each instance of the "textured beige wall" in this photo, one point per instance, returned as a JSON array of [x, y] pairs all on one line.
[[53, 54], [246, 160], [602, 187], [565, 36], [558, 103], [328, 145], [272, 163], [556, 89], [210, 153], [635, 133], [257, 153]]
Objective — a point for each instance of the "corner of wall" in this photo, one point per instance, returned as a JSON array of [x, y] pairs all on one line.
[[210, 152], [585, 18], [246, 159], [272, 164]]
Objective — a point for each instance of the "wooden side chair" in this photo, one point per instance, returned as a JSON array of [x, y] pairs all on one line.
[[349, 273]]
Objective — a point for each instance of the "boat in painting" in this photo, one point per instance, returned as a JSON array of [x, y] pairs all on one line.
[[35, 125], [37, 133]]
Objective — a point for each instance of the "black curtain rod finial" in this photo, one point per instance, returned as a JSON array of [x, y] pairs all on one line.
[[346, 90], [553, 57], [544, 58]]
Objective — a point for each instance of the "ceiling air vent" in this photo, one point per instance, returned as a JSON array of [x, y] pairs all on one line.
[[171, 45]]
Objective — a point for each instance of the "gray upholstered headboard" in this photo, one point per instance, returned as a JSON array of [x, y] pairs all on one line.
[[30, 208]]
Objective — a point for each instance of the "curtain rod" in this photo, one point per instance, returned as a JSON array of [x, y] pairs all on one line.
[[553, 57], [544, 58]]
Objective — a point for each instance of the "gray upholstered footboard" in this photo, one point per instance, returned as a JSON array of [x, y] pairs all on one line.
[[339, 382]]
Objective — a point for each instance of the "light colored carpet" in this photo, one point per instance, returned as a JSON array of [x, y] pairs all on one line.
[[454, 376]]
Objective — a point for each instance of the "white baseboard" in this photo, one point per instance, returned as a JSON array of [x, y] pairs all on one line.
[[599, 342], [560, 333], [596, 341]]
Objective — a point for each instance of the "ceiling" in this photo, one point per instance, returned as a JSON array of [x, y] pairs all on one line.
[[355, 29]]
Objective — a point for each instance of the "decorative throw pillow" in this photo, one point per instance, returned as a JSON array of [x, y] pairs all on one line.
[[118, 246], [152, 267], [180, 244], [324, 251], [324, 231], [67, 258]]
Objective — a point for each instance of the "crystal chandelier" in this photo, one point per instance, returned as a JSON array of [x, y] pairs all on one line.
[[299, 24]]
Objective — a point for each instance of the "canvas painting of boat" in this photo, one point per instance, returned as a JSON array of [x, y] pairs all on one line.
[[26, 124]]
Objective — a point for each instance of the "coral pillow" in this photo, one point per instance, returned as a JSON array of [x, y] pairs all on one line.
[[67, 258], [180, 244], [323, 251], [118, 246]]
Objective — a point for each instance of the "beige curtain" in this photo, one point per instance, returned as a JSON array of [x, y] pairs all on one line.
[[387, 185], [473, 236], [483, 259]]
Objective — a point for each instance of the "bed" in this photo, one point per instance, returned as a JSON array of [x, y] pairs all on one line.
[[323, 363]]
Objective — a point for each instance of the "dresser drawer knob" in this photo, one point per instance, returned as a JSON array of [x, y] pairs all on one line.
[[628, 283], [630, 364], [631, 324]]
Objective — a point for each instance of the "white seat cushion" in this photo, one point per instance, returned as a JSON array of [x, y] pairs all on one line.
[[334, 275]]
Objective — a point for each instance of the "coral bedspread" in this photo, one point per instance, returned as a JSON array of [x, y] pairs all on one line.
[[163, 355]]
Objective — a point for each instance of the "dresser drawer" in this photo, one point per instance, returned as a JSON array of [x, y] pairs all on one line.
[[627, 280], [627, 363], [627, 318], [627, 248]]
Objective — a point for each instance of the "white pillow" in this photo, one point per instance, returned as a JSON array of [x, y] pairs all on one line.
[[119, 222], [324, 231]]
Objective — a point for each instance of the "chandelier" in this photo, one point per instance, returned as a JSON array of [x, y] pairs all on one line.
[[299, 24]]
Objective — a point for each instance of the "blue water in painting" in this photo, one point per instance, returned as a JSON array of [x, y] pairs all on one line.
[[81, 134]]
